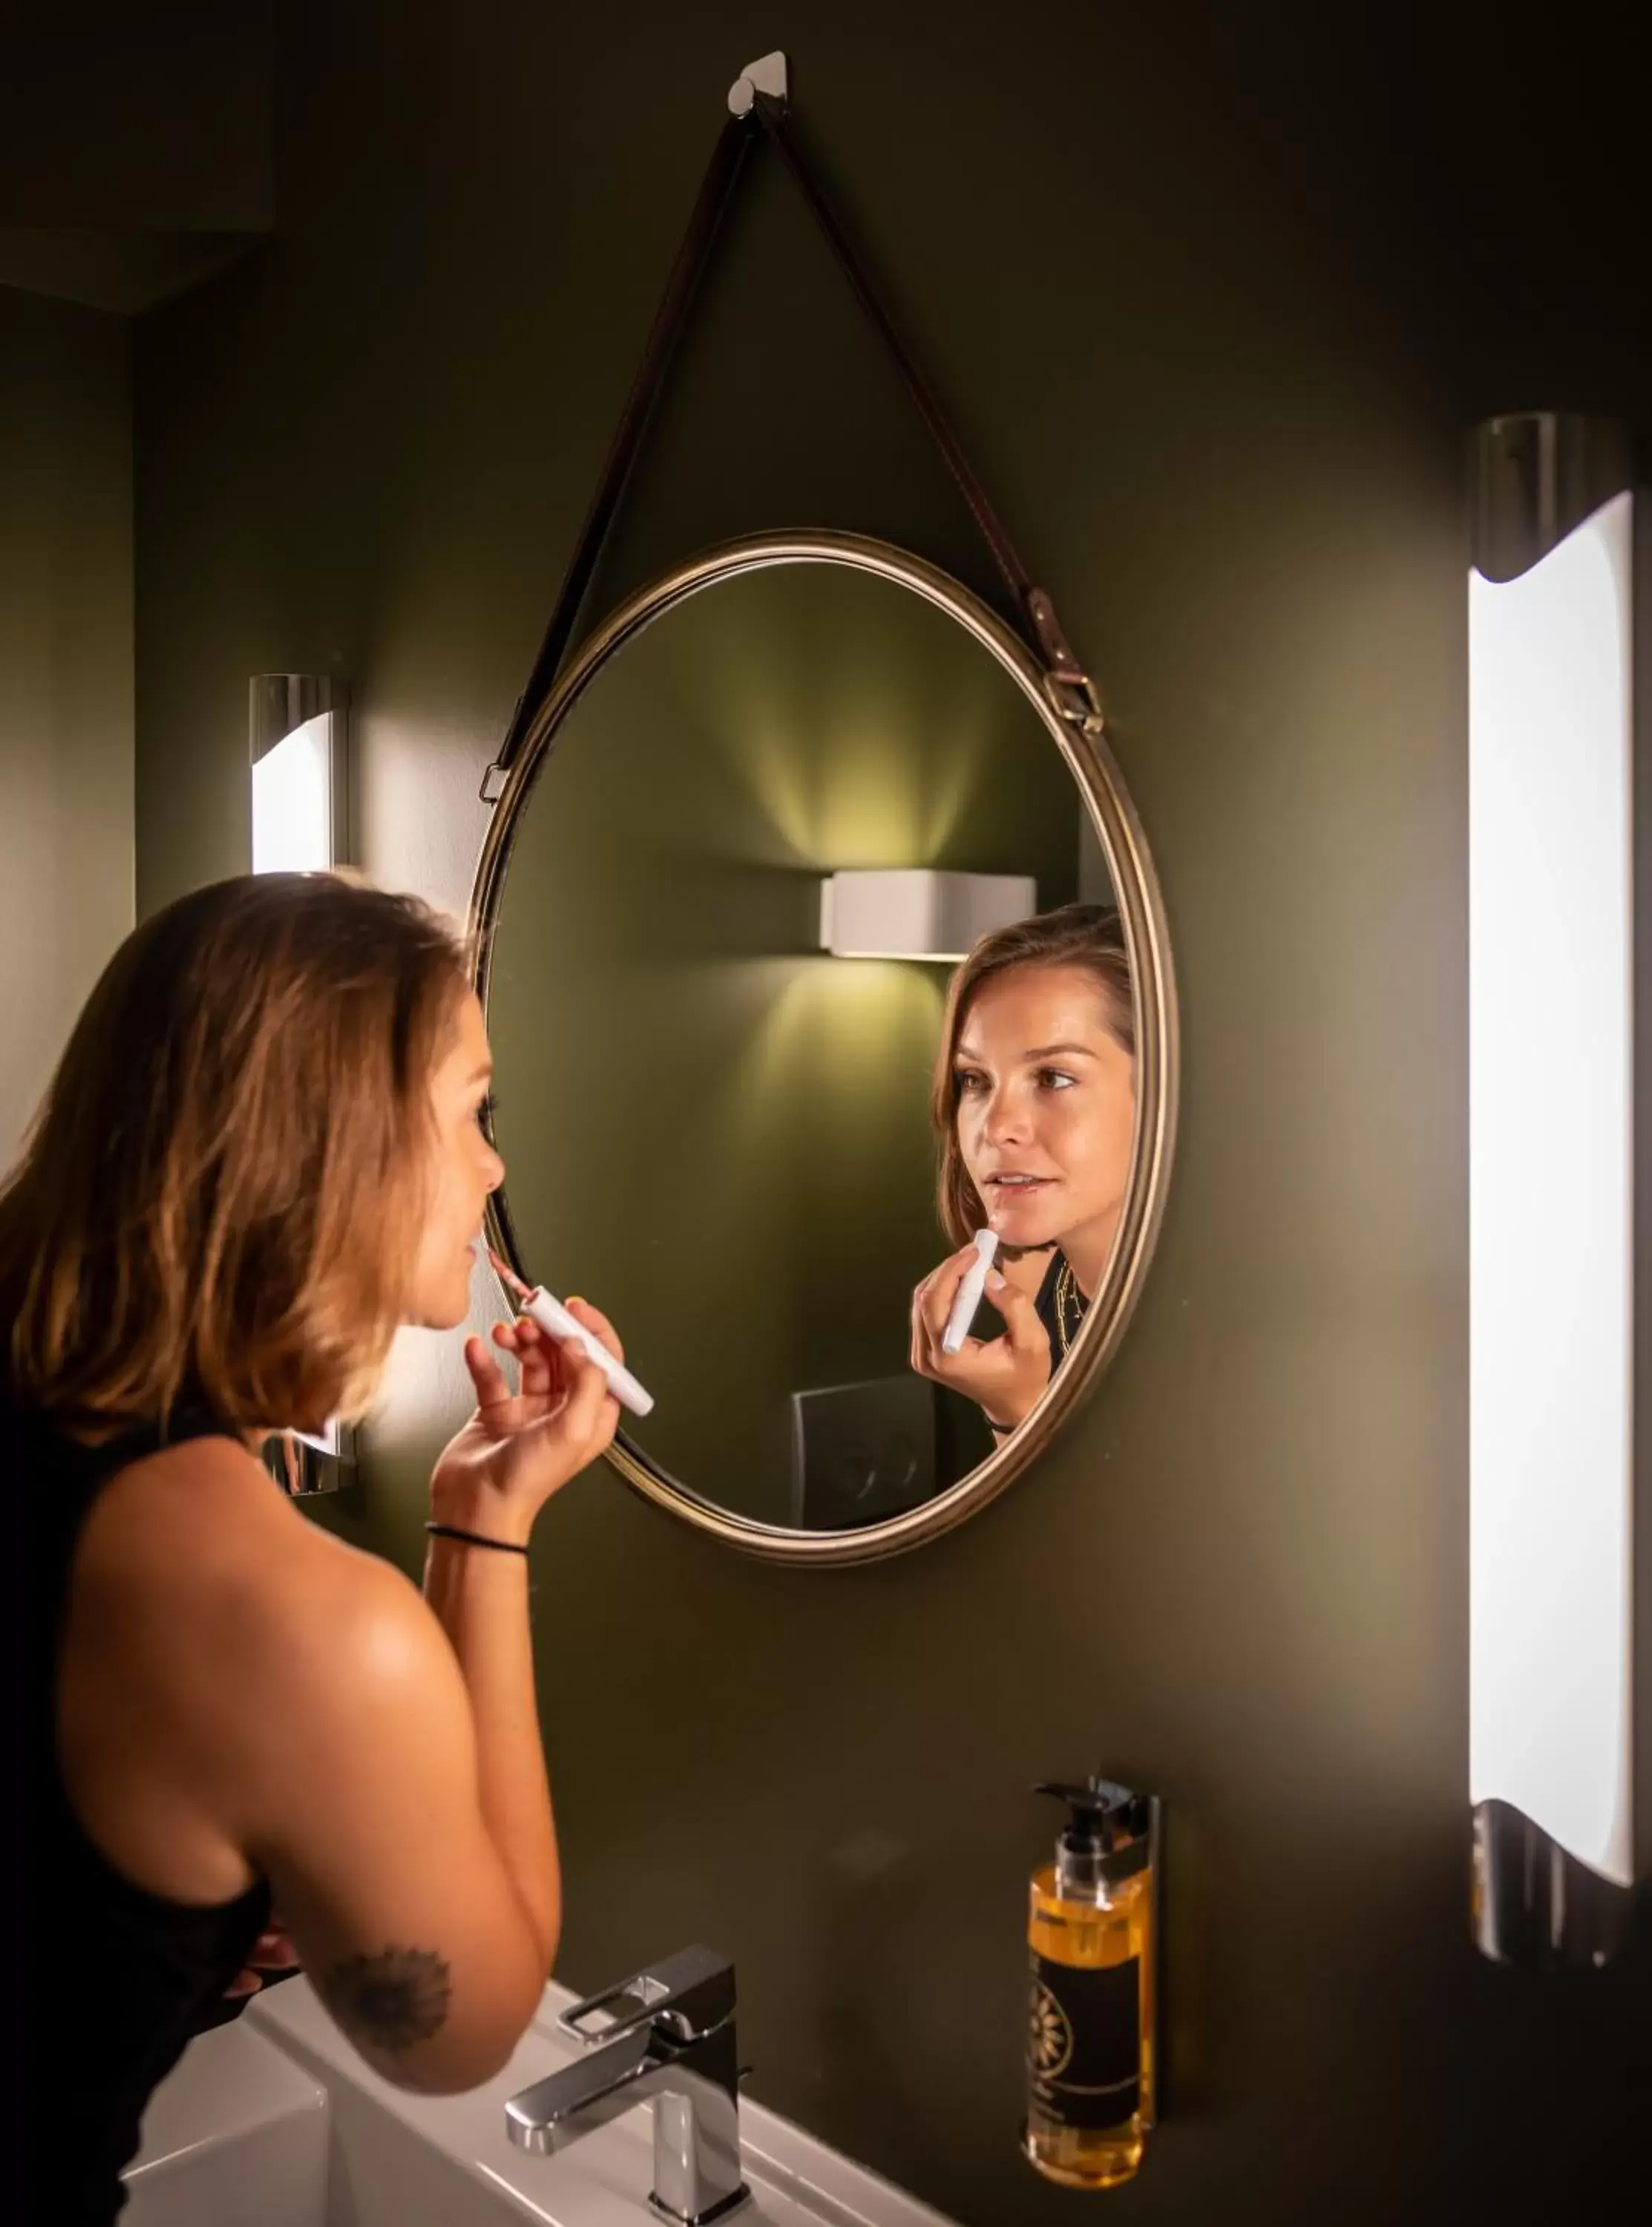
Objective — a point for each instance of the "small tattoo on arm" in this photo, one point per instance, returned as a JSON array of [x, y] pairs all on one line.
[[392, 2000]]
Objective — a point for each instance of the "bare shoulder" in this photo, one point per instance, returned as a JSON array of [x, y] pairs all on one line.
[[226, 1663], [200, 1563]]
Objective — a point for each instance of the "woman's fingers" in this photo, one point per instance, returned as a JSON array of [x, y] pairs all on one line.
[[536, 1348], [921, 1338], [537, 1356], [932, 1307], [582, 1418], [273, 1952], [593, 1320], [539, 1359], [941, 1291], [486, 1374], [1026, 1331], [942, 1280]]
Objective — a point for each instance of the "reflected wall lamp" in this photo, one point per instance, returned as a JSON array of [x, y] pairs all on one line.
[[297, 729], [918, 913], [1556, 1345], [301, 788]]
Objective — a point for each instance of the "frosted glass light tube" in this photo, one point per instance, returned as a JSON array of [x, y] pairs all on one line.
[[292, 801], [1552, 1191]]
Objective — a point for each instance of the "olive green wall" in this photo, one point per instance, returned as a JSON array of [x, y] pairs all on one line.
[[1241, 1578], [66, 678]]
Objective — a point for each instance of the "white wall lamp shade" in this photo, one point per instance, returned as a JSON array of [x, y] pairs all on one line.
[[918, 912], [1552, 1054], [300, 773]]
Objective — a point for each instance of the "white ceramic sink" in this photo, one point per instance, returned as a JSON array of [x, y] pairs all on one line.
[[274, 2121], [238, 2137]]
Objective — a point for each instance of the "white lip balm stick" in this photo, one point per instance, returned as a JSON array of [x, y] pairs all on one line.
[[969, 1292], [556, 1320]]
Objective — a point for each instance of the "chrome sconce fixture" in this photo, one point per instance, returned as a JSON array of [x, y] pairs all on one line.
[[303, 1462], [1553, 1336], [297, 732], [918, 912]]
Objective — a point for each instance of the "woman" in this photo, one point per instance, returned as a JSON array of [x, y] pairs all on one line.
[[1034, 1103], [263, 1150]]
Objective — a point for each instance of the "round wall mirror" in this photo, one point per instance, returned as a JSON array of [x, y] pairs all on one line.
[[774, 803]]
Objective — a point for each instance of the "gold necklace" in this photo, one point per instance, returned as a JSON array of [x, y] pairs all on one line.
[[1067, 1290]]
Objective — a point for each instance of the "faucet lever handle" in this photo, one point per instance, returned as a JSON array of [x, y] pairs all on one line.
[[689, 1995]]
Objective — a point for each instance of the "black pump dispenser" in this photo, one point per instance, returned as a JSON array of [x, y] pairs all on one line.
[[1107, 1837]]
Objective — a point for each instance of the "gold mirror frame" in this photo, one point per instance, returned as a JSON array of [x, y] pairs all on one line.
[[1136, 887]]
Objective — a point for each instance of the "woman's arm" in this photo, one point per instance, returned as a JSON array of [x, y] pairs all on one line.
[[429, 1917], [492, 1480], [259, 1696], [480, 1598], [364, 1811]]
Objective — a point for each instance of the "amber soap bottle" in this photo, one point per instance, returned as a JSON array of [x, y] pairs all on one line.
[[1092, 1934]]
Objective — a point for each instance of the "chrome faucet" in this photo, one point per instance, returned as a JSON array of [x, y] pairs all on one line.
[[665, 2036]]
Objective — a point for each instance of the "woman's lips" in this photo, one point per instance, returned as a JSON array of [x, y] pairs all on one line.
[[1004, 1196]]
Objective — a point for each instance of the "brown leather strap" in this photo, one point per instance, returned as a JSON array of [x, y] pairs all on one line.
[[716, 189], [1035, 604], [1069, 685]]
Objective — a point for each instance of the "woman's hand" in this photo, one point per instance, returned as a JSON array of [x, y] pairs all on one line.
[[1005, 1377], [521, 1446], [272, 1952]]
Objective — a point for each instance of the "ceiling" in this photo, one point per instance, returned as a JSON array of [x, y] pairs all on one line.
[[126, 272], [136, 145]]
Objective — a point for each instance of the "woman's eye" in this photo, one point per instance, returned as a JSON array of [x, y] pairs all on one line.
[[964, 1081], [1052, 1078], [485, 1115]]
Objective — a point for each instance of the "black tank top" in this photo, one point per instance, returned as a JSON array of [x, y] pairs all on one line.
[[116, 1979], [1061, 1306]]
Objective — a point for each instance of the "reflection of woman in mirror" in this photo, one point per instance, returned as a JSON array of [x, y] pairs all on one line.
[[1034, 1103]]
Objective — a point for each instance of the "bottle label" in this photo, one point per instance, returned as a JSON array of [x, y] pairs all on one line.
[[1084, 2042]]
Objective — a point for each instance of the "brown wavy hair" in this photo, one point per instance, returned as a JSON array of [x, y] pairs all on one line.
[[1088, 936], [218, 1205]]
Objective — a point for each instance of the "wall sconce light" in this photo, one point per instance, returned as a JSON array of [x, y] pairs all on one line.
[[300, 773], [297, 728], [916, 913], [1552, 1055], [303, 1462]]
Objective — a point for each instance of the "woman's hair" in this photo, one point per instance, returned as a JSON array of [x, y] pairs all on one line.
[[1088, 936], [219, 1202]]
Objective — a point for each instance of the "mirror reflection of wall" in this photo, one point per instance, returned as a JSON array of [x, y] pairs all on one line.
[[712, 1127]]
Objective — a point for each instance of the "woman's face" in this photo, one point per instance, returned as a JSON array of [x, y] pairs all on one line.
[[466, 1168], [1046, 1111]]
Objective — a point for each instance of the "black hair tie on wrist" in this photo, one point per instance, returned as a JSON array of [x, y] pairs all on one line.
[[473, 1538]]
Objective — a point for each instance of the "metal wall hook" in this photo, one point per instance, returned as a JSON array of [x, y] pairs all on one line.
[[768, 75]]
